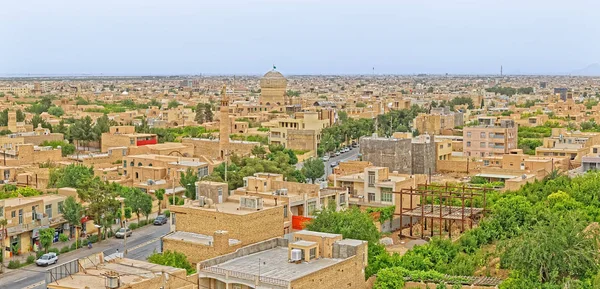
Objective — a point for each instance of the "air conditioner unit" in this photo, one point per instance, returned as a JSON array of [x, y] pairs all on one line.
[[39, 216], [281, 192], [296, 255]]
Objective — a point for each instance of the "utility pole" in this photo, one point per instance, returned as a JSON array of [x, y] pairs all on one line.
[[125, 239]]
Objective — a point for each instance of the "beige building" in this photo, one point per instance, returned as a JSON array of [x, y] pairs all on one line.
[[125, 136], [273, 87], [26, 216], [375, 187], [572, 145], [437, 121], [206, 228], [308, 260], [300, 133], [489, 139]]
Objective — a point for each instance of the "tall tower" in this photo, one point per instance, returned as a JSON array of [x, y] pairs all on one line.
[[12, 121], [224, 123]]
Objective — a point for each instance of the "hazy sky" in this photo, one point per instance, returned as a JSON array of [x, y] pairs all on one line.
[[298, 36]]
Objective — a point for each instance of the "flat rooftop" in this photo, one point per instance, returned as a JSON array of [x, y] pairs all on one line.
[[230, 206], [317, 234], [274, 263], [199, 239], [130, 271]]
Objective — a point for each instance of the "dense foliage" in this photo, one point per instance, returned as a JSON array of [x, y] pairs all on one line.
[[173, 259]]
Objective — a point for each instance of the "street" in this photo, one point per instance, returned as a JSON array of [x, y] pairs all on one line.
[[141, 244], [348, 156]]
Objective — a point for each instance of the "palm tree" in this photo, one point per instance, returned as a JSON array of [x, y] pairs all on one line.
[[160, 195]]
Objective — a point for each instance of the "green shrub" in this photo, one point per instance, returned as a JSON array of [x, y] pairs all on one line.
[[150, 221], [133, 226], [65, 249], [93, 238], [73, 246], [167, 213], [30, 259], [54, 250], [63, 237], [14, 264], [39, 254], [142, 223]]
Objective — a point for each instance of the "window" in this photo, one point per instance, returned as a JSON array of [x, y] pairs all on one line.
[[313, 253], [131, 140], [150, 164], [468, 134], [49, 210], [13, 214], [386, 195], [1, 212], [482, 144], [491, 134], [486, 163], [202, 172], [468, 144], [449, 144], [139, 164], [482, 135], [285, 211], [60, 207], [33, 213], [237, 286], [124, 164], [371, 179], [342, 199], [312, 206], [137, 176], [371, 197], [131, 164], [20, 216]]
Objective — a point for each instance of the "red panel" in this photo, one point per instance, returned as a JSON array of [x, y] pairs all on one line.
[[299, 222], [146, 142]]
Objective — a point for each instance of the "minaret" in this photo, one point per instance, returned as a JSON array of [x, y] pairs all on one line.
[[224, 125]]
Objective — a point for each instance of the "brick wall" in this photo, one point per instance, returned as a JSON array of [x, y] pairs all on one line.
[[196, 253], [249, 228], [454, 166], [346, 274]]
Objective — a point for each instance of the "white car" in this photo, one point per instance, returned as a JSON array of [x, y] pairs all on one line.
[[325, 158], [47, 259]]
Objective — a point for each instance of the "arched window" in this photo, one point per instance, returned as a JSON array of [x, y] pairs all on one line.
[[137, 176], [139, 164], [131, 164], [150, 164]]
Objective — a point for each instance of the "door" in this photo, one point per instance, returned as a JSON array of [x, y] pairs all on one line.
[[220, 192]]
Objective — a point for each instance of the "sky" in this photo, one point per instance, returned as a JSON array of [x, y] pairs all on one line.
[[134, 37]]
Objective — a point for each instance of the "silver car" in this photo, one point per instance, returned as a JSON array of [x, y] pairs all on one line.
[[47, 259], [122, 232]]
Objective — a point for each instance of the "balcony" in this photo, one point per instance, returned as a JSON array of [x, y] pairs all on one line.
[[142, 142]]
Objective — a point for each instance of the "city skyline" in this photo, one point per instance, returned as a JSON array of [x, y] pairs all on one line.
[[300, 37]]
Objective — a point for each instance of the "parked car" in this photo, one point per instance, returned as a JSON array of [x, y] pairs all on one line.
[[122, 232], [334, 164], [160, 220], [325, 158], [47, 259], [337, 153]]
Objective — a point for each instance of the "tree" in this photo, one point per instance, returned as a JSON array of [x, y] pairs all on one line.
[[3, 224], [139, 202], [173, 259], [154, 102], [208, 113], [20, 115], [351, 223], [82, 131], [56, 111], [200, 116], [73, 176], [102, 125], [46, 238], [66, 148], [173, 104], [160, 196], [72, 212], [556, 250], [259, 151], [101, 199], [128, 211], [313, 169], [188, 180]]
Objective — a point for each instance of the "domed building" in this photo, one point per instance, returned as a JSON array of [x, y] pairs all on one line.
[[273, 86]]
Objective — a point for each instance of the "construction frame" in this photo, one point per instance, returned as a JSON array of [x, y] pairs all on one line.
[[444, 212]]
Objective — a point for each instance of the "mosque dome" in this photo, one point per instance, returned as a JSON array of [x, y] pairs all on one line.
[[273, 79]]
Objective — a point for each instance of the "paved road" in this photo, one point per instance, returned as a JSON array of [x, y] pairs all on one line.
[[141, 244], [348, 156]]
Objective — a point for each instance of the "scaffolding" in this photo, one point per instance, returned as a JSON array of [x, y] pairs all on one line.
[[436, 203]]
